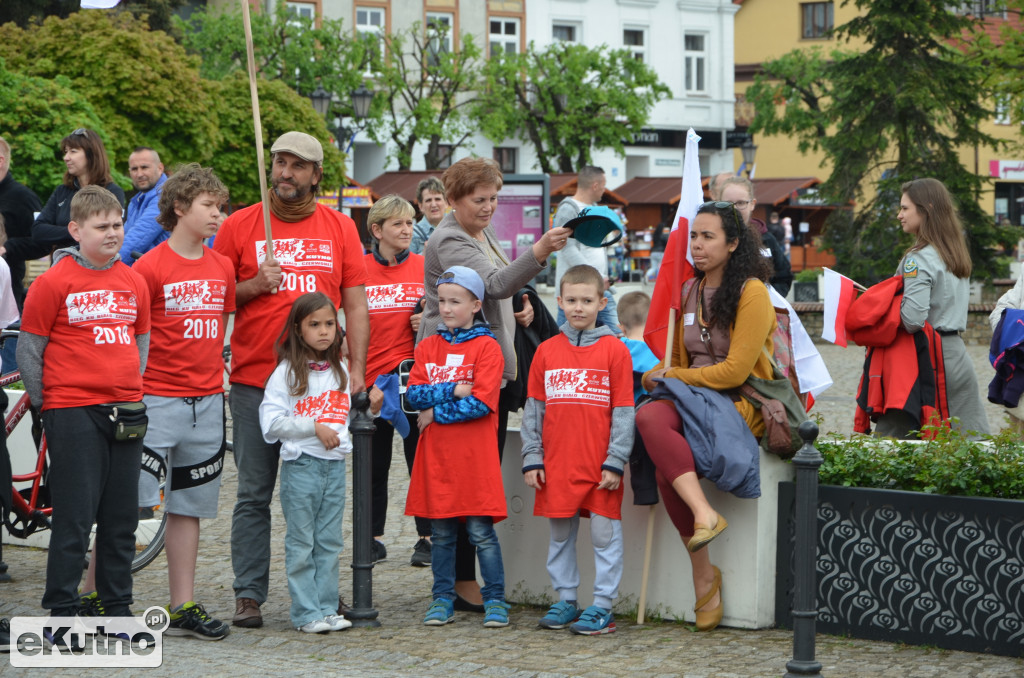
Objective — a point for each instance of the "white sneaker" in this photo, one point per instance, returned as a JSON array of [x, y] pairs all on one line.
[[337, 622], [317, 626]]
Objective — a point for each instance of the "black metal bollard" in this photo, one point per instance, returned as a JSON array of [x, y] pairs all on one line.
[[360, 425], [805, 608]]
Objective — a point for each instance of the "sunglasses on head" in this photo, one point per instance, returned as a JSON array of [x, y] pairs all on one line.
[[715, 205], [80, 132]]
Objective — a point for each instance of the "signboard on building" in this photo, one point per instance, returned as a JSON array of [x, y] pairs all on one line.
[[1007, 169], [354, 196], [329, 199]]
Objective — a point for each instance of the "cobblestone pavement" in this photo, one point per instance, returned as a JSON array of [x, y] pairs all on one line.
[[402, 646]]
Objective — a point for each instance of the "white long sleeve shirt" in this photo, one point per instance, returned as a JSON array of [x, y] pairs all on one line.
[[291, 419]]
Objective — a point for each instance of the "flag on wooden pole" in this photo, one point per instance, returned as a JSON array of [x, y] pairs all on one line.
[[678, 258], [99, 4], [839, 294]]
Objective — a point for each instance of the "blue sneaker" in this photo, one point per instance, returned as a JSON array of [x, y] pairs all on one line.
[[594, 621], [440, 613], [496, 613], [560, 615]]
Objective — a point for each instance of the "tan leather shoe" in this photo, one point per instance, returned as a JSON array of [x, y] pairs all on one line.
[[247, 614], [709, 619], [703, 535]]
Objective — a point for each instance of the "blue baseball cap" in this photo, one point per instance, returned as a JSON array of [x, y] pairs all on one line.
[[463, 276], [597, 226]]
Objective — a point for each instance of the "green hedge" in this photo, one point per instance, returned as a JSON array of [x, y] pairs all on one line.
[[950, 464]]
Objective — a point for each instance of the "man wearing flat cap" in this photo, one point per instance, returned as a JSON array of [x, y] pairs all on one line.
[[314, 249]]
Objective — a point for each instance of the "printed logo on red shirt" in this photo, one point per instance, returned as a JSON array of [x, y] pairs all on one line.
[[194, 296], [444, 374], [99, 306], [298, 253], [593, 386], [330, 407], [398, 296]]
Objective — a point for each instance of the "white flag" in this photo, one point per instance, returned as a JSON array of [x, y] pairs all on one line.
[[99, 4]]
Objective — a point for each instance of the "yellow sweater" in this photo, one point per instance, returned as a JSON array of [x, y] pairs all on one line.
[[754, 328]]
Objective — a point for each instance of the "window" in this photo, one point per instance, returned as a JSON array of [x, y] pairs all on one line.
[[444, 156], [504, 36], [982, 8], [695, 61], [816, 19], [302, 10], [370, 27], [506, 159], [439, 35], [635, 40], [565, 32], [1002, 116]]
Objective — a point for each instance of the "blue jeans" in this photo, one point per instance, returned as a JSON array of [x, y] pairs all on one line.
[[488, 552], [313, 501], [609, 316]]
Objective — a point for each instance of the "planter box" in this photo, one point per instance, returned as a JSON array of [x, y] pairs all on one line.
[[911, 567], [745, 552]]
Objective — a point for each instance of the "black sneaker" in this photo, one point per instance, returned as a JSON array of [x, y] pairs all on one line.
[[421, 553], [91, 606], [5, 635], [191, 620], [378, 552]]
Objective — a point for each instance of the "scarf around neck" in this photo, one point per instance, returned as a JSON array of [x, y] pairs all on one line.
[[292, 211]]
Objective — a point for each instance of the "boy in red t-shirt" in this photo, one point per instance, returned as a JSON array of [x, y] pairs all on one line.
[[82, 350], [577, 436], [193, 291], [456, 476]]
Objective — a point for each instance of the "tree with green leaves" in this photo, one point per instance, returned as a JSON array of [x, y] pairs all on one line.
[[901, 108], [425, 92], [37, 113], [567, 100], [141, 84], [1004, 58], [288, 48], [281, 110], [157, 13]]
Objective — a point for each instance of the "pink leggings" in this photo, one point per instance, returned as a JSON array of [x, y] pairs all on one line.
[[661, 428]]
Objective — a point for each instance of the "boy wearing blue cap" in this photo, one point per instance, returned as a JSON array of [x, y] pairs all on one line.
[[455, 384]]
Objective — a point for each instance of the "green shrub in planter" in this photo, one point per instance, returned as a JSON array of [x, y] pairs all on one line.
[[809, 275], [950, 464]]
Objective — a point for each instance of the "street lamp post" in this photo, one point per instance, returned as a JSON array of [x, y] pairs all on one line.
[[749, 150]]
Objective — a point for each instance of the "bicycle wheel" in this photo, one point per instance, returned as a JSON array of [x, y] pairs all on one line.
[[149, 535]]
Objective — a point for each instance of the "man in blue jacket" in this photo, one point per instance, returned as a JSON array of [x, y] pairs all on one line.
[[141, 231]]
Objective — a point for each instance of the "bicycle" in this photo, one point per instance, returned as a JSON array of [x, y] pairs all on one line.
[[31, 505]]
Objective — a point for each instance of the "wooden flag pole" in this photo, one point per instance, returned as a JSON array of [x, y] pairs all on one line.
[[258, 128], [641, 611]]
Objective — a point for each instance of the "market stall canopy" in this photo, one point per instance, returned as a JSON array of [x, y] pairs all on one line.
[[781, 191], [654, 190], [401, 183], [564, 186]]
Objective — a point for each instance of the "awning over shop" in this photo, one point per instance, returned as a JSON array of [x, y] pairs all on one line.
[[653, 190], [400, 183], [779, 191], [564, 186]]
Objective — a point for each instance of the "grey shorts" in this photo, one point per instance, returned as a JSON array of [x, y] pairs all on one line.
[[188, 433]]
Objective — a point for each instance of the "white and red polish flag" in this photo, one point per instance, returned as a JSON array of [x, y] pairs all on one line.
[[99, 4], [678, 260], [839, 294]]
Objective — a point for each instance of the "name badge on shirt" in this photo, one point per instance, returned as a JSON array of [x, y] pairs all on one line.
[[453, 360], [688, 318]]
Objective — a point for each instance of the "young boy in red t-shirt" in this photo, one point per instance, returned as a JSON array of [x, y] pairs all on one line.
[[193, 291], [577, 436], [82, 350]]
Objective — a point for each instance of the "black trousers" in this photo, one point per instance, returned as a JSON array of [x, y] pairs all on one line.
[[92, 478], [381, 468]]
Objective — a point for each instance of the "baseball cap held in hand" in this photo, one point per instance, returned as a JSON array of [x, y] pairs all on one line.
[[597, 226]]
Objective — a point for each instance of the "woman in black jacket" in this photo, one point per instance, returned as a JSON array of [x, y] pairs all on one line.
[[87, 163]]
